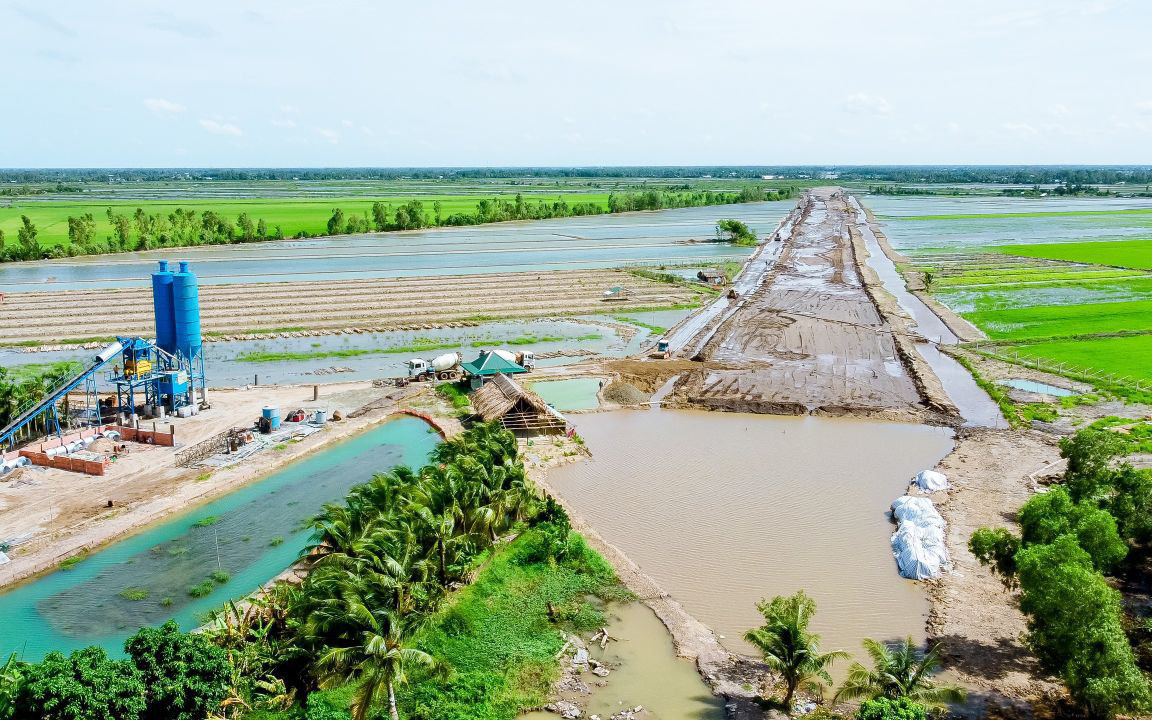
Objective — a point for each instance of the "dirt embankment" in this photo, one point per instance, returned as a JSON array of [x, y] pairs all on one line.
[[314, 307], [813, 337], [972, 613]]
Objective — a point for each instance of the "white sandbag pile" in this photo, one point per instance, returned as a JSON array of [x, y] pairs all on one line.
[[918, 543], [930, 480]]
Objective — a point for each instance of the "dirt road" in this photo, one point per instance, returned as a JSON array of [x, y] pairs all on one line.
[[808, 337], [385, 303]]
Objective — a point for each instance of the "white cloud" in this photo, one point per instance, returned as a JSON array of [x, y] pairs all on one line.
[[1144, 106], [290, 109], [283, 123], [863, 103], [164, 107], [1023, 130], [330, 135], [220, 128]]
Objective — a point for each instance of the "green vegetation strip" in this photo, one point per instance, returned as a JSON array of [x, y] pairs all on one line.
[[1062, 320], [497, 636], [1135, 254]]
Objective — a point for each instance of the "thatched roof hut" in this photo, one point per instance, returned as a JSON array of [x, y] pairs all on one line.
[[517, 409]]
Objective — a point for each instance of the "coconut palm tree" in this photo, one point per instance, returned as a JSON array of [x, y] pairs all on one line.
[[374, 653], [899, 671], [787, 646]]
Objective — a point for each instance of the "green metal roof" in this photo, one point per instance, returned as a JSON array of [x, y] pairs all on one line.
[[489, 363]]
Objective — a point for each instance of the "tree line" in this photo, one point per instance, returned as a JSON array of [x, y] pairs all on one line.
[[1077, 541], [17, 394], [1013, 174], [142, 230], [379, 566]]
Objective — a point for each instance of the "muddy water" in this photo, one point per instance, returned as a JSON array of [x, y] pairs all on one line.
[[646, 672], [722, 509]]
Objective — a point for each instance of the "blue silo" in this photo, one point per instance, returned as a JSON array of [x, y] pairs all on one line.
[[162, 307], [186, 309]]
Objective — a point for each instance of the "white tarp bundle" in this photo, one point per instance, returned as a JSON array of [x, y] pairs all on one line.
[[4, 559], [918, 543], [930, 480]]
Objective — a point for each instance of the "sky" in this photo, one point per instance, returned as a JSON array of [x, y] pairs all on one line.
[[133, 83]]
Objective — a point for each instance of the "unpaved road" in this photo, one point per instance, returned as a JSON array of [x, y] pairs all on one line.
[[385, 303], [809, 338]]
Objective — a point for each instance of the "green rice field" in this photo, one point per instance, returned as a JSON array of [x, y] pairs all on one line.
[[1127, 356], [1119, 253], [1071, 280]]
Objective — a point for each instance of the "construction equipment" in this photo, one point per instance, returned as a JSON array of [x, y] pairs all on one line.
[[441, 367], [524, 358], [663, 351]]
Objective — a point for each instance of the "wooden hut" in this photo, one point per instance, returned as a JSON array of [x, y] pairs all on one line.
[[519, 410]]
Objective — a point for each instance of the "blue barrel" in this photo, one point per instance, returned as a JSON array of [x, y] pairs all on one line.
[[272, 415], [162, 308], [186, 310]]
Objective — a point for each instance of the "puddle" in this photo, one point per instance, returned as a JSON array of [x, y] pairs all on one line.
[[722, 509], [573, 394], [1037, 387], [649, 673]]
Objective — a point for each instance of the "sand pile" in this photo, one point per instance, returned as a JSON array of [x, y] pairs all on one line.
[[624, 394]]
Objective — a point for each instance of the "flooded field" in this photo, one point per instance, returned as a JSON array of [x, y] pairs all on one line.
[[249, 536], [338, 358], [765, 506], [663, 236], [646, 672]]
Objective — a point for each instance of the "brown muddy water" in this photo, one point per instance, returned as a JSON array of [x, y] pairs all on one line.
[[645, 672], [722, 509]]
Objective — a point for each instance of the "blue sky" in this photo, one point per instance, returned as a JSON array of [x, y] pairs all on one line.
[[130, 83]]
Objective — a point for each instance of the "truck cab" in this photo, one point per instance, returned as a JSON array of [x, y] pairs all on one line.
[[417, 367]]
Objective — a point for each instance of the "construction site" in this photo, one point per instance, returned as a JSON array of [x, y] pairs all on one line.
[[816, 328]]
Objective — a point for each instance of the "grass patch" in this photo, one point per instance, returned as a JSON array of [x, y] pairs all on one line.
[[280, 446], [1136, 254], [497, 637], [654, 329], [455, 394], [206, 521], [202, 589], [220, 577], [69, 563], [276, 541], [134, 594]]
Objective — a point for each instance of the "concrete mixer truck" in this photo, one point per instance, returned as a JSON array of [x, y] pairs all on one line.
[[523, 358], [441, 367]]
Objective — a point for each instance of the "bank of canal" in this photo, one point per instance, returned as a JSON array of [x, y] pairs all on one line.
[[166, 571]]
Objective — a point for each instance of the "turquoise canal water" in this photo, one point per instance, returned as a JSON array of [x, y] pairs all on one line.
[[574, 394], [253, 534]]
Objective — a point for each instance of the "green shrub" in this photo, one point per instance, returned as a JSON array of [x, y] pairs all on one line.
[[86, 685], [885, 709], [318, 708], [186, 675]]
